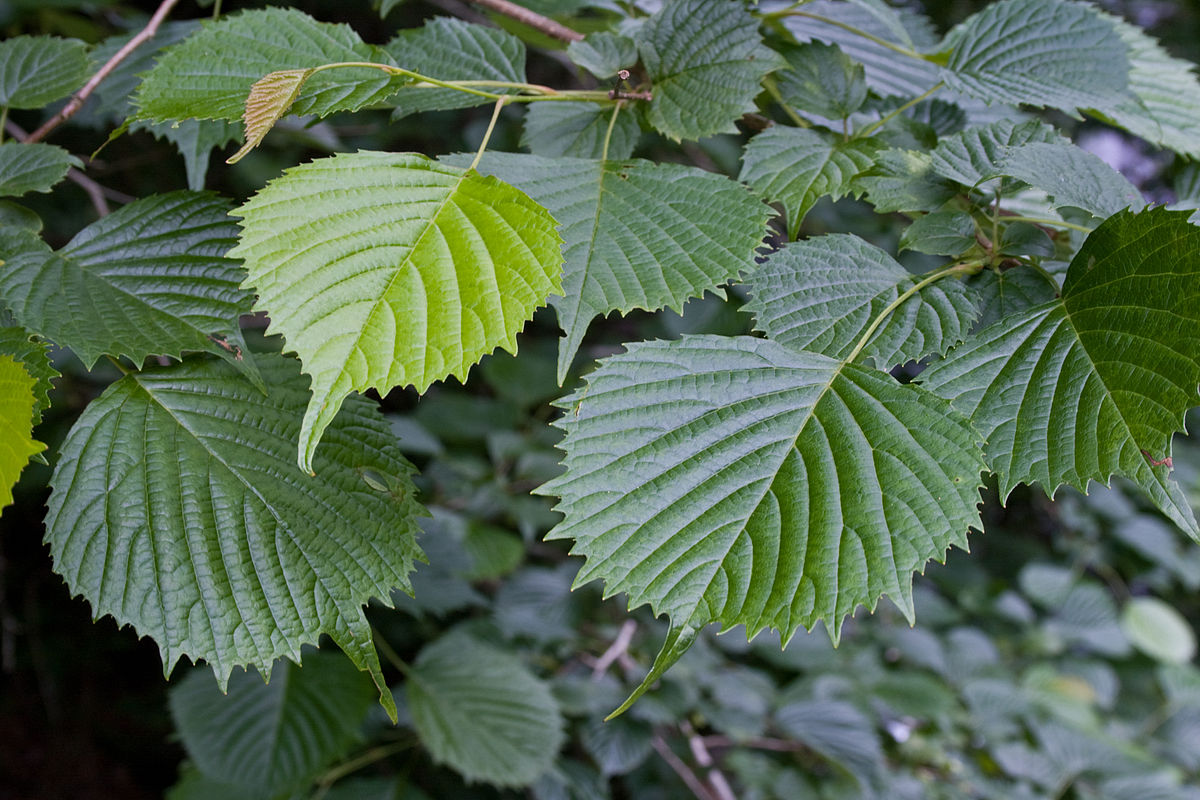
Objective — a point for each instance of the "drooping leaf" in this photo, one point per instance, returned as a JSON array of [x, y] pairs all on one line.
[[453, 50], [822, 295], [638, 235], [942, 233], [481, 711], [388, 269], [1002, 295], [275, 736], [799, 166], [17, 406], [32, 354], [902, 180], [822, 79], [1046, 53], [731, 479], [1093, 383], [177, 508], [209, 74], [577, 130], [32, 167], [1071, 176], [36, 70], [151, 278], [972, 155], [604, 53], [706, 61], [195, 139]]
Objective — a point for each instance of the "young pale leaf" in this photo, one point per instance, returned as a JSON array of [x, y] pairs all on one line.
[[822, 79], [638, 234], [17, 406], [149, 279], [454, 50], [971, 156], [32, 167], [177, 508], [481, 711], [604, 54], [706, 62], [275, 736], [388, 269], [798, 166], [209, 75], [942, 233], [822, 294], [32, 354], [902, 180], [732, 479], [578, 130], [1094, 383], [36, 70], [1071, 176], [270, 98], [1046, 53]]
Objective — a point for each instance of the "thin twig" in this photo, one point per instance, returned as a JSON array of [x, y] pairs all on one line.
[[716, 778], [534, 20], [614, 651], [682, 770], [757, 743], [76, 102]]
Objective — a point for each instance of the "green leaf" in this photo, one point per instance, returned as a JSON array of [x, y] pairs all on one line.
[[798, 166], [14, 215], [604, 54], [109, 105], [177, 508], [1002, 295], [274, 736], [823, 80], [942, 233], [1044, 53], [149, 279], [388, 269], [454, 50], [481, 711], [706, 62], [195, 139], [822, 295], [17, 406], [577, 130], [836, 730], [638, 234], [902, 180], [1158, 630], [32, 167], [973, 155], [1094, 383], [209, 74], [708, 478], [33, 355], [36, 70], [1071, 176]]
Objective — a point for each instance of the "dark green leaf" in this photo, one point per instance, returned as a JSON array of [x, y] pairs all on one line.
[[973, 155], [604, 54], [577, 130], [36, 70], [902, 180], [942, 233], [822, 79], [32, 167]]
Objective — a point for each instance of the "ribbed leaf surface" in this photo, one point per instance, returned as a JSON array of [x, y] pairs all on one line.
[[822, 295], [454, 50], [36, 70], [481, 711], [270, 98], [178, 509], [822, 79], [209, 74], [388, 269], [32, 167], [1010, 292], [903, 180], [1071, 176], [604, 54], [973, 155], [149, 279], [577, 130], [731, 479], [1094, 383], [706, 61], [275, 736], [639, 235], [1049, 53], [17, 404], [799, 166]]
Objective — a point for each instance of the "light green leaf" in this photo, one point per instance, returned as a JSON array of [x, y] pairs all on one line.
[[706, 62], [942, 233], [577, 130], [1002, 295], [1045, 53], [32, 167], [177, 508], [708, 477], [388, 269], [1158, 630], [33, 355], [481, 711], [1071, 176], [798, 166], [36, 70], [902, 180], [604, 54], [822, 79], [971, 156], [454, 50], [275, 736], [96, 295], [17, 406], [209, 74], [1094, 383], [822, 295], [638, 234]]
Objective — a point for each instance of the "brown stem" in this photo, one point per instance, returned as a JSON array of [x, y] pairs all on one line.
[[618, 648], [532, 19], [682, 769], [76, 102]]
